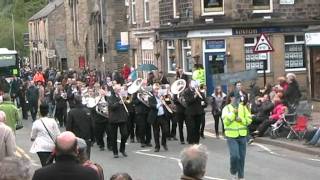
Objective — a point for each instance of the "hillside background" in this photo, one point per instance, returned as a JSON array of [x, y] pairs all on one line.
[[22, 10]]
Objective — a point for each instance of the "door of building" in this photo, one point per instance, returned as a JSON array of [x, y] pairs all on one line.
[[215, 64], [315, 73]]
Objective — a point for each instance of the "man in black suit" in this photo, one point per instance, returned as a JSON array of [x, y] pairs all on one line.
[[194, 112], [180, 116], [181, 75], [66, 166], [118, 118], [143, 128], [80, 122], [157, 118]]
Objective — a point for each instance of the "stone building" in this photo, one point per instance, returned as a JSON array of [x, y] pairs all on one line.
[[221, 35], [47, 36], [143, 20], [84, 37]]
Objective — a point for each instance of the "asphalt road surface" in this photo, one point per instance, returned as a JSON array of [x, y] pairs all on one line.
[[263, 162]]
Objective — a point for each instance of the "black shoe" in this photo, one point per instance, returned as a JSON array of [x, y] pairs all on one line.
[[124, 154], [182, 142], [156, 149], [165, 147], [202, 136], [132, 140], [109, 148], [116, 156], [143, 145], [149, 145], [175, 139], [102, 149], [169, 138]]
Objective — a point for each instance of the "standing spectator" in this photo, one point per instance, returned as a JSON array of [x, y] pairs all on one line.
[[163, 79], [40, 86], [14, 88], [199, 74], [11, 111], [194, 162], [80, 122], [236, 118], [91, 79], [218, 102], [7, 139], [60, 99], [292, 95], [33, 99], [39, 76], [67, 166], [43, 134], [48, 97], [125, 72], [22, 94]]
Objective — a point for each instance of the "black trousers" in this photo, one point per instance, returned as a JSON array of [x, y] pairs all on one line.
[[173, 127], [203, 124], [61, 115], [216, 124], [160, 123], [181, 118], [123, 126], [131, 125], [33, 110], [24, 108], [193, 128], [143, 128], [43, 156], [89, 143], [263, 127], [100, 131]]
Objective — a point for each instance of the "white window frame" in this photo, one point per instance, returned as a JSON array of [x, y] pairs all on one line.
[[185, 48], [265, 10], [253, 45], [211, 13], [171, 47], [296, 42], [133, 12], [146, 18], [126, 2], [175, 9]]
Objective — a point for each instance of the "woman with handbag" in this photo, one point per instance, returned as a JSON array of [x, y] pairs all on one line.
[[43, 134]]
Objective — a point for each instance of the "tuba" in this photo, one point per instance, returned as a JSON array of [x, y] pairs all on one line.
[[102, 107], [177, 88], [143, 94]]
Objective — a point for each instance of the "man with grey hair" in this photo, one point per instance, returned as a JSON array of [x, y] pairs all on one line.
[[194, 162]]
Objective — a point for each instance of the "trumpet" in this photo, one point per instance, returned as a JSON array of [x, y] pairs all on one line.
[[124, 105]]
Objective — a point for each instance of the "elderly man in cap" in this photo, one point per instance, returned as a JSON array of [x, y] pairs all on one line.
[[67, 166], [7, 139]]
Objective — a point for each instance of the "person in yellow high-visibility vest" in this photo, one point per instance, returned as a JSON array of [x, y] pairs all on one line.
[[199, 74], [236, 119]]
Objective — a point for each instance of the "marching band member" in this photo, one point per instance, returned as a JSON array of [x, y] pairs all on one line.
[[180, 117], [60, 98], [203, 105], [157, 118], [194, 112], [128, 102], [171, 118], [118, 118]]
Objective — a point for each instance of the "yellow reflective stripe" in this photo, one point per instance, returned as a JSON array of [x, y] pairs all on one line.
[[235, 129]]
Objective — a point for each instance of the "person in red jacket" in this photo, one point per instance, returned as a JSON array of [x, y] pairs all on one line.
[[278, 111], [39, 77], [125, 72]]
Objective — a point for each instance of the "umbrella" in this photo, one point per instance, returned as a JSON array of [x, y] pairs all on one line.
[[147, 67]]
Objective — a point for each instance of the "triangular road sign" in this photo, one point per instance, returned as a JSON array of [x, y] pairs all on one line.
[[263, 45]]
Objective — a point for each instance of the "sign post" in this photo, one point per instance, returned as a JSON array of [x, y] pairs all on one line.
[[263, 46]]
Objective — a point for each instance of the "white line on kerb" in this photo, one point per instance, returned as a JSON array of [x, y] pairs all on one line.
[[318, 160], [265, 148]]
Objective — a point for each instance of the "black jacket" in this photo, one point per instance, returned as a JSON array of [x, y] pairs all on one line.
[[65, 168], [292, 95], [215, 110], [80, 122], [194, 106], [179, 106], [33, 95], [153, 113], [140, 108], [117, 112], [263, 110]]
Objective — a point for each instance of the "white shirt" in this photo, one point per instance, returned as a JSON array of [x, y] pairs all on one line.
[[43, 142], [159, 106]]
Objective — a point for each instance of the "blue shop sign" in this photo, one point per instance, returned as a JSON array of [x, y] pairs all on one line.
[[215, 44], [120, 47]]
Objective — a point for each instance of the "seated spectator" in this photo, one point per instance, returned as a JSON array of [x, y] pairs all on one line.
[[194, 162], [67, 166], [283, 83], [15, 168], [121, 176], [7, 139], [277, 113]]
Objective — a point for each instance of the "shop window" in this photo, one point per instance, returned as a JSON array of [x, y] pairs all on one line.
[[262, 6], [186, 56], [146, 11], [171, 56], [294, 53], [212, 7], [133, 11], [176, 13], [255, 60]]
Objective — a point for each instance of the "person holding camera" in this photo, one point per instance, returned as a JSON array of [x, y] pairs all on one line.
[[236, 119]]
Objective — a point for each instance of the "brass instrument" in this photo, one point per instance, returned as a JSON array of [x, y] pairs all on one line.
[[177, 88], [102, 107], [124, 105], [143, 94], [196, 90]]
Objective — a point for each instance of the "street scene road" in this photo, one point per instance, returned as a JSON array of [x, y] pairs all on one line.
[[263, 162]]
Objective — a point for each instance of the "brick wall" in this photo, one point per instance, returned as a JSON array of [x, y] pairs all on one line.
[[57, 25]]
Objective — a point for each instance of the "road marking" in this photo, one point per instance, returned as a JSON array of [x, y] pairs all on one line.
[[21, 153], [318, 160], [266, 149], [143, 152]]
